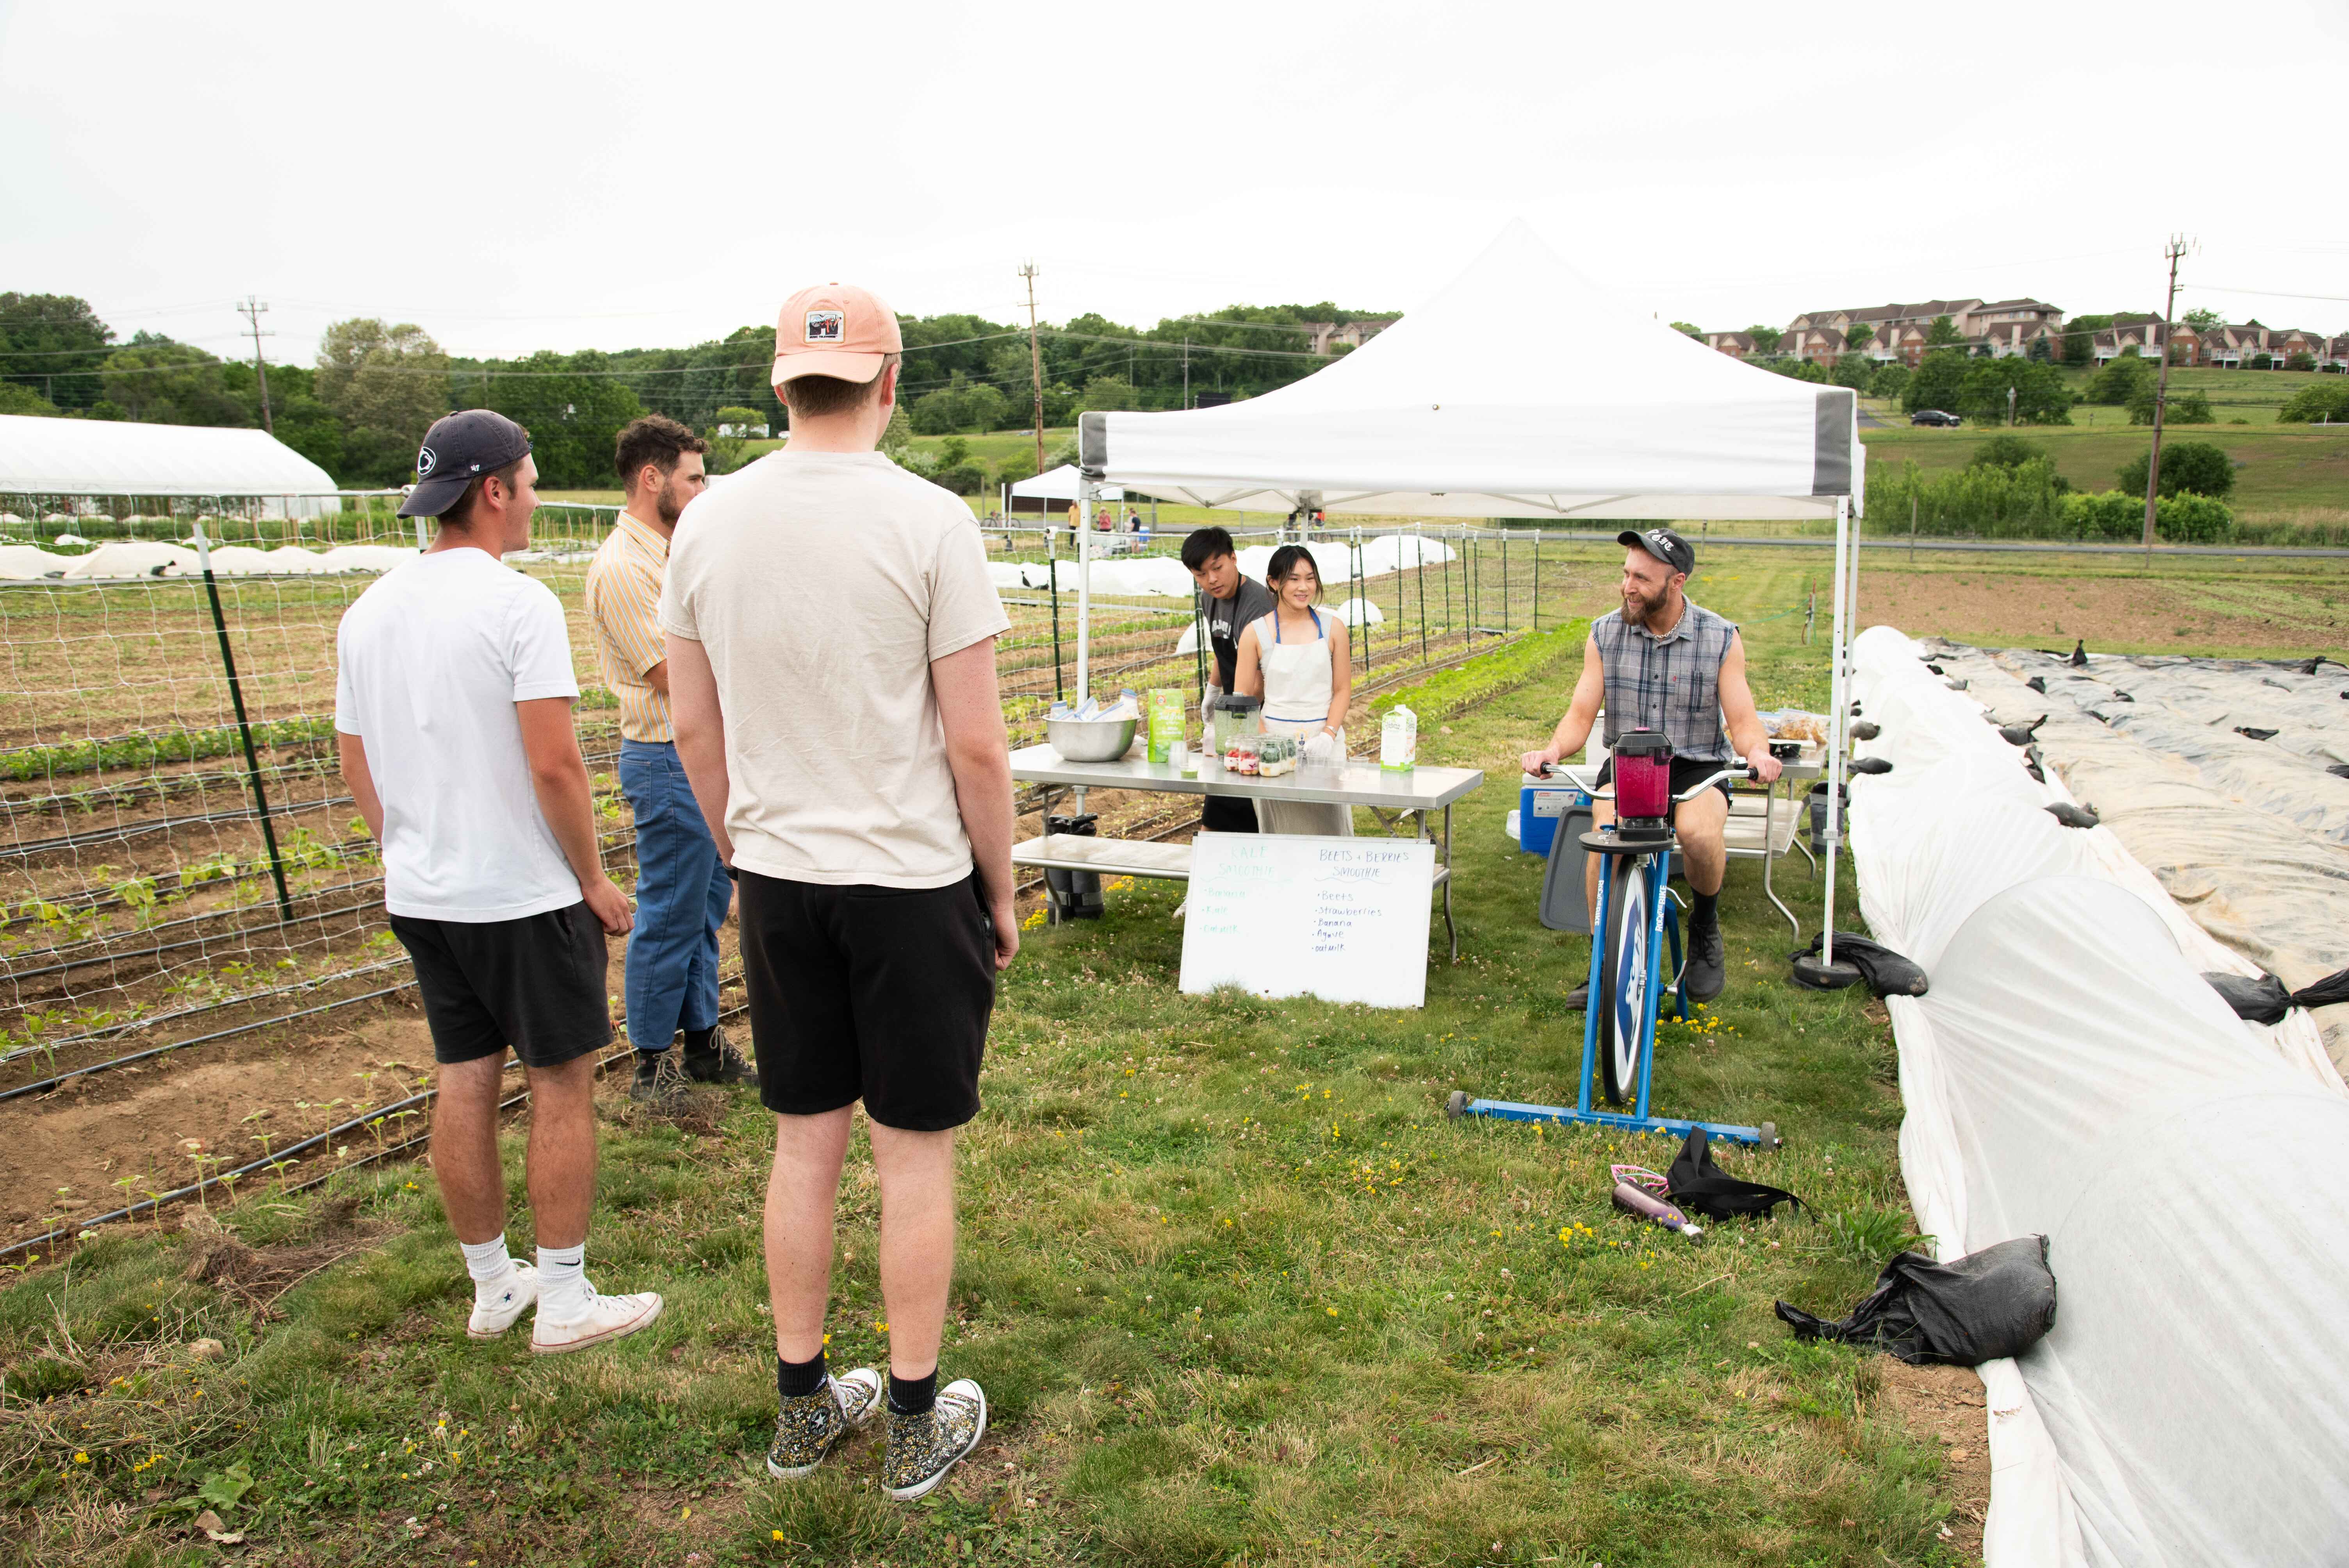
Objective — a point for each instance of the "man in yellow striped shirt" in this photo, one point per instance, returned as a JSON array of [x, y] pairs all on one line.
[[682, 889]]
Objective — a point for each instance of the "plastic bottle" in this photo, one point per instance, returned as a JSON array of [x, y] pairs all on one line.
[[1648, 1206]]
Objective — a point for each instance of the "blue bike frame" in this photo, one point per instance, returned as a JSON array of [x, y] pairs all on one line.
[[1656, 872]]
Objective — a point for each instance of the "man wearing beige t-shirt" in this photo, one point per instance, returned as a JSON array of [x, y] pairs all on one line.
[[831, 634]]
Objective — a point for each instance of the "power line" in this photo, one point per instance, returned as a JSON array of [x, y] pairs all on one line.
[[2268, 293]]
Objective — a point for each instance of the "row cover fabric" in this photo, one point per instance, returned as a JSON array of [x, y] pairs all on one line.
[[150, 558], [120, 457], [1579, 408], [2243, 833], [2072, 1075], [1985, 1307]]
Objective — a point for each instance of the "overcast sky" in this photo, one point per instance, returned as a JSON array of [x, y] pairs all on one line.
[[516, 176]]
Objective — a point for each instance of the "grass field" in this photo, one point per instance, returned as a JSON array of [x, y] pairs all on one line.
[[1237, 1290]]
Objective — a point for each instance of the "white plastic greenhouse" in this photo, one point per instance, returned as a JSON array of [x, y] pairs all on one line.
[[76, 460]]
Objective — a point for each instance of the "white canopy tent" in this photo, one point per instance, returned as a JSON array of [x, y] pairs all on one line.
[[1060, 484], [1520, 390], [95, 458]]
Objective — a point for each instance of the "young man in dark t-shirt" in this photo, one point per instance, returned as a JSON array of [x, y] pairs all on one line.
[[1226, 603]]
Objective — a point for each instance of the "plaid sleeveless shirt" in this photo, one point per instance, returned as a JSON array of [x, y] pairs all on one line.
[[1671, 683]]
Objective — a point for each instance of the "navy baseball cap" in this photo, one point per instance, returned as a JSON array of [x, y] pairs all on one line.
[[1664, 544], [458, 448]]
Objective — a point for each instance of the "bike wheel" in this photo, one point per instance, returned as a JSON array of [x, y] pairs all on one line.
[[1623, 968]]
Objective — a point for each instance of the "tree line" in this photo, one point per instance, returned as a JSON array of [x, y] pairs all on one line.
[[361, 410]]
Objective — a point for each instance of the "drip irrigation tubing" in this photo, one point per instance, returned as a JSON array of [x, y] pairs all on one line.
[[232, 934], [154, 1203], [51, 1083], [162, 825], [132, 1026]]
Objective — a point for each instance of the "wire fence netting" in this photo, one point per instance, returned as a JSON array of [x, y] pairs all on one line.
[[180, 864]]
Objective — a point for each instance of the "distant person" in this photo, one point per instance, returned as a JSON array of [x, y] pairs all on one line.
[[452, 705], [682, 890], [1662, 661], [1227, 602], [832, 665], [1296, 659]]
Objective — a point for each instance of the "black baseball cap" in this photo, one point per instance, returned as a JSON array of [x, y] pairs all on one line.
[[458, 448], [1664, 544]]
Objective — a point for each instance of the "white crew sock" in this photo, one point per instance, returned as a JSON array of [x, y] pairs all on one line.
[[488, 1262], [563, 1283]]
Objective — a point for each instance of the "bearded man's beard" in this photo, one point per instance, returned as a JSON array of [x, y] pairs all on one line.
[[1637, 609]]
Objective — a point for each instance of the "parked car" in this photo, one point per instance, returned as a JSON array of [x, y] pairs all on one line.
[[1935, 416]]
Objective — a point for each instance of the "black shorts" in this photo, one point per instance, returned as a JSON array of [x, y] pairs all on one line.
[[1687, 773], [877, 993], [536, 984], [1227, 814]]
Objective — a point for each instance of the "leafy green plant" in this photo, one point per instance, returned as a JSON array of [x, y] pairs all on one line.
[[2188, 468]]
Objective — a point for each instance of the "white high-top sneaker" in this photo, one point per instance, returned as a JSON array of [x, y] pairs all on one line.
[[495, 1315], [601, 1318]]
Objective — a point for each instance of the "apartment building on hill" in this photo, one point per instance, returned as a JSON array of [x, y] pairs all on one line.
[[1898, 332]]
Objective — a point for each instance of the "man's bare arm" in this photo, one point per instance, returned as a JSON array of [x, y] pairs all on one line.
[[700, 726], [559, 775], [352, 750], [1581, 713], [1747, 734], [970, 707]]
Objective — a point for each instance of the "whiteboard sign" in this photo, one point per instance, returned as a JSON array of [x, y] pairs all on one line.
[[1291, 916]]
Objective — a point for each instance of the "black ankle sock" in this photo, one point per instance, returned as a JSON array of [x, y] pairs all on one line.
[[912, 1396], [1702, 910], [797, 1379], [699, 1040]]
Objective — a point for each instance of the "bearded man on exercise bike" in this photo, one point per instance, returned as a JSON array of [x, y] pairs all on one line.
[[1661, 663]]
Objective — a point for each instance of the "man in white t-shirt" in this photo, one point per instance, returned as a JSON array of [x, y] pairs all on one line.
[[452, 701], [831, 637]]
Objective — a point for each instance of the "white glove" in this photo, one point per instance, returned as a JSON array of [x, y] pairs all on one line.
[[1321, 751], [1207, 707]]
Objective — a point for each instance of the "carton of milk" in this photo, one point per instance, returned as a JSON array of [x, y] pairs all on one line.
[[1398, 740]]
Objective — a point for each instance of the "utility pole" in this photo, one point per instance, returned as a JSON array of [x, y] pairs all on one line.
[[1035, 361], [2009, 407], [2175, 249], [253, 309], [1186, 370]]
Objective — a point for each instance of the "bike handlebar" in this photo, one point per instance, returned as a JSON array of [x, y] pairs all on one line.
[[1607, 791]]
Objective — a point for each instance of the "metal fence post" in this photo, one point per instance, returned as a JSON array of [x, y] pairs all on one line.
[[1537, 582], [1420, 544], [1052, 592], [244, 728], [1505, 587]]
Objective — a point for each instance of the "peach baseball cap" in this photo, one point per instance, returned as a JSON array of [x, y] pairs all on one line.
[[834, 329]]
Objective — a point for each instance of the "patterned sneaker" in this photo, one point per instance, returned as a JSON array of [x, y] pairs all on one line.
[[718, 1062], [811, 1425], [922, 1447], [604, 1317], [495, 1316]]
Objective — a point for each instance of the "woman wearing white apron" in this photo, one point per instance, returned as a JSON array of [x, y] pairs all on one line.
[[1295, 660]]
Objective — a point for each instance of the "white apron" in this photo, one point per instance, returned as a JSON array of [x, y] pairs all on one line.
[[1298, 684]]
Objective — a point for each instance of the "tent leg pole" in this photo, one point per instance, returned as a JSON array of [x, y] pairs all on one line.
[[1084, 587], [1838, 721]]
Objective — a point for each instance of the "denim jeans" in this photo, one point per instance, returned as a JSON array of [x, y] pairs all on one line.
[[682, 894]]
